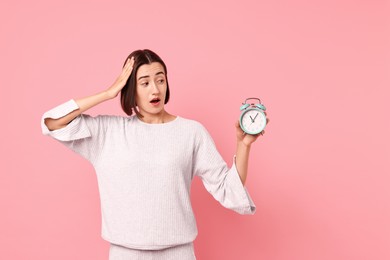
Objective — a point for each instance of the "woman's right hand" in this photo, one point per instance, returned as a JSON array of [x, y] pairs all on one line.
[[120, 82]]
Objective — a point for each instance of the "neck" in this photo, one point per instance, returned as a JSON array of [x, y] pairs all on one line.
[[159, 118]]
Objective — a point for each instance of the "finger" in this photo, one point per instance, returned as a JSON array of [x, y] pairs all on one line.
[[129, 67], [126, 65], [238, 128], [267, 121], [130, 62], [256, 136]]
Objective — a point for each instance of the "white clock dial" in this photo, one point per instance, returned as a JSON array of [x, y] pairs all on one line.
[[253, 121]]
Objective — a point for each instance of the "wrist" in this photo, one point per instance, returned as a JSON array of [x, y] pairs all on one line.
[[108, 95], [243, 145]]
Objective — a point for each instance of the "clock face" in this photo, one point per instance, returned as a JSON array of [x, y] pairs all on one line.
[[253, 121]]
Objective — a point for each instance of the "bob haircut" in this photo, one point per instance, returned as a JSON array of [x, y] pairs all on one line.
[[128, 92]]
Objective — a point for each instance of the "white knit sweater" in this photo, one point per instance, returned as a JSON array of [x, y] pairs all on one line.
[[144, 173]]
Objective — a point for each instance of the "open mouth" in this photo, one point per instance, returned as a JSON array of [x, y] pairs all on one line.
[[155, 100]]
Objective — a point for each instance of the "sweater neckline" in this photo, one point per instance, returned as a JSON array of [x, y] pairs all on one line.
[[167, 123]]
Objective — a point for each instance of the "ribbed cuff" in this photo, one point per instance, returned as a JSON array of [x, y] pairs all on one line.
[[76, 129], [246, 205]]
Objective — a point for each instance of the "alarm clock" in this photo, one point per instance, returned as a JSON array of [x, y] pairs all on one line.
[[253, 118]]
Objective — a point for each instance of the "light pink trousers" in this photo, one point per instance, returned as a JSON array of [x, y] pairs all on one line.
[[180, 252]]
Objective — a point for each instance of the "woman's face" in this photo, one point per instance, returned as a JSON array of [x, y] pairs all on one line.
[[151, 88]]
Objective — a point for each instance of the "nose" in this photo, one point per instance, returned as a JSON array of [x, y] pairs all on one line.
[[155, 89]]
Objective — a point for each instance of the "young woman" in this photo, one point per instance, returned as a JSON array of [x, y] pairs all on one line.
[[145, 163]]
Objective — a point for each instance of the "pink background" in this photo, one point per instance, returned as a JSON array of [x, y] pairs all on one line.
[[320, 175]]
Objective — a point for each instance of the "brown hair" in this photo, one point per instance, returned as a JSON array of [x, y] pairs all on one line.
[[128, 92]]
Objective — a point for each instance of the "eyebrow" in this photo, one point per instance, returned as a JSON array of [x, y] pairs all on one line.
[[158, 73]]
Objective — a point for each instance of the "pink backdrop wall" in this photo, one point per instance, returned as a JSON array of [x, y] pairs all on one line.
[[320, 175]]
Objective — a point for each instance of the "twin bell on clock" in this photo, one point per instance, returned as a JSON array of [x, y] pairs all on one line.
[[253, 118]]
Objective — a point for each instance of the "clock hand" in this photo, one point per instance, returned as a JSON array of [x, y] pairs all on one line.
[[252, 119], [255, 117]]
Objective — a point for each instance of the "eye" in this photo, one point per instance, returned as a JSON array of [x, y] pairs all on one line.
[[144, 84], [161, 81]]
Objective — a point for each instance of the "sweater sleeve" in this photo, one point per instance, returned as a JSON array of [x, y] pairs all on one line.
[[84, 134], [223, 183]]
